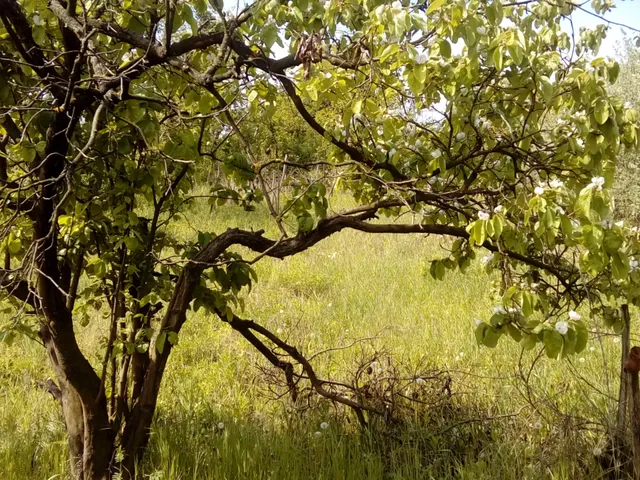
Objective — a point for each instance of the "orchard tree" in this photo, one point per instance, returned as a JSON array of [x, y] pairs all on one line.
[[626, 189], [485, 119]]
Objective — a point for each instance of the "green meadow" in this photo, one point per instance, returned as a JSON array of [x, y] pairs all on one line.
[[359, 305]]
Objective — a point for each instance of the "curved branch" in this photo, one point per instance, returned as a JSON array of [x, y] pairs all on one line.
[[318, 384]]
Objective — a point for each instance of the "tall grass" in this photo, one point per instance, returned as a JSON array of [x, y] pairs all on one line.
[[352, 297]]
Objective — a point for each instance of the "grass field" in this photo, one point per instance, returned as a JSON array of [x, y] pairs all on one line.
[[370, 294]]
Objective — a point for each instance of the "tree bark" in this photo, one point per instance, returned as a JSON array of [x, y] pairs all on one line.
[[83, 401], [624, 394]]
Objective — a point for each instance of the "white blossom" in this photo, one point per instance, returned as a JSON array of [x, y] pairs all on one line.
[[555, 183], [620, 223], [220, 426], [538, 190], [396, 5], [633, 264], [580, 143], [37, 20], [317, 434], [464, 91], [279, 331], [513, 310], [324, 425], [481, 30], [478, 321], [420, 381], [575, 316], [421, 58], [616, 340], [436, 153], [483, 215], [486, 125], [487, 258], [582, 360], [460, 136], [392, 152], [327, 4], [597, 182], [535, 285], [537, 425], [499, 309], [498, 209], [130, 55], [329, 305], [562, 327], [418, 143], [592, 348], [597, 452], [607, 224], [627, 105], [442, 63]]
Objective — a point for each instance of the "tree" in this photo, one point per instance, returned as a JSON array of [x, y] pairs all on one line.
[[626, 190], [109, 110]]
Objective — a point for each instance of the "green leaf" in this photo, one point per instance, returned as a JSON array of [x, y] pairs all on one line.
[[553, 343], [582, 336], [312, 92], [437, 270], [515, 333], [388, 51], [497, 58], [420, 72], [270, 35], [305, 223], [487, 335], [435, 5], [415, 84], [14, 246], [445, 49], [356, 107], [569, 343], [160, 342], [614, 71], [527, 304], [528, 342], [491, 337], [601, 111], [619, 265], [479, 232], [173, 338], [583, 204]]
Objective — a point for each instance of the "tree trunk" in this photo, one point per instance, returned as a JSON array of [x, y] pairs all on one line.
[[624, 394], [89, 433], [635, 425]]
